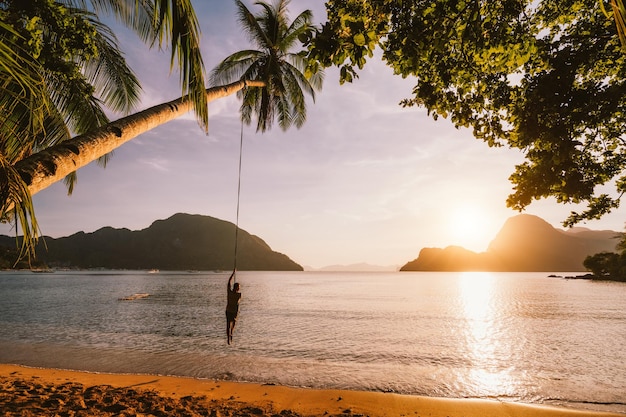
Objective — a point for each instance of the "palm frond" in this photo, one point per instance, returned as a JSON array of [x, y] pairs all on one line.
[[311, 83], [15, 196], [23, 97], [250, 25], [20, 114], [250, 96], [299, 26], [159, 22], [234, 67], [283, 109], [72, 96], [71, 179], [619, 15], [271, 23], [176, 22], [20, 68], [265, 110], [619, 12], [293, 85], [54, 130], [137, 15], [108, 72]]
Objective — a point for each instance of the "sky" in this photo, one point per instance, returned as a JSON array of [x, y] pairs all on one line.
[[364, 180]]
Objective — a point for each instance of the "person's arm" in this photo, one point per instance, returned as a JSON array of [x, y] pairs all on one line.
[[229, 286]]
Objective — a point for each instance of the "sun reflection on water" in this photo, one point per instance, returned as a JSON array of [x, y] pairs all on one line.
[[489, 352]]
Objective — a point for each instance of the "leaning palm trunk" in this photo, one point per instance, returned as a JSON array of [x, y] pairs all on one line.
[[48, 166]]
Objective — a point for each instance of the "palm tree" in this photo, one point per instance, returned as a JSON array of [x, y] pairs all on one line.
[[21, 86], [282, 71], [59, 65], [80, 70]]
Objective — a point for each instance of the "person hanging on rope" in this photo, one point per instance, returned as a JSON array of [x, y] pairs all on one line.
[[232, 307]]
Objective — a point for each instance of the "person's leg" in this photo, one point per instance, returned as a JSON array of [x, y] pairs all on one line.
[[228, 332], [231, 327]]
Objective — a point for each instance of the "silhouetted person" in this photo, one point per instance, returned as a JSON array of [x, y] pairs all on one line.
[[232, 307]]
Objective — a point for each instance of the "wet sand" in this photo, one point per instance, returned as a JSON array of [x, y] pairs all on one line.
[[34, 392]]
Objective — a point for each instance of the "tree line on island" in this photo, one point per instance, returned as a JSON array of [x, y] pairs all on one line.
[[195, 242], [181, 242]]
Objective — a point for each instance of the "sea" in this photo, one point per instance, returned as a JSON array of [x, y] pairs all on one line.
[[521, 337]]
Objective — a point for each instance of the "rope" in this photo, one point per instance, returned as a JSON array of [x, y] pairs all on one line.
[[238, 198]]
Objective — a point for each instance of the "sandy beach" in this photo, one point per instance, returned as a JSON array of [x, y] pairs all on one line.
[[36, 392]]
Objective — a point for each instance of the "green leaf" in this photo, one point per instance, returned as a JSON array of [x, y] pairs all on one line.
[[359, 39]]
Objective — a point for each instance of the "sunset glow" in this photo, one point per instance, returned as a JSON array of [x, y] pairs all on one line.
[[471, 227]]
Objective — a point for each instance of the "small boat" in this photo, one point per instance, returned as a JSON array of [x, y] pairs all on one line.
[[153, 271], [42, 271]]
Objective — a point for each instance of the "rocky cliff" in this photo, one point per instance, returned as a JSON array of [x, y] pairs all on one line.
[[525, 243]]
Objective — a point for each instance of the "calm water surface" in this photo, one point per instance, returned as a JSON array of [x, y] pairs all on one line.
[[511, 336]]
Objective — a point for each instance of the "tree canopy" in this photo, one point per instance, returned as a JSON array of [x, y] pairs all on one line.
[[544, 77]]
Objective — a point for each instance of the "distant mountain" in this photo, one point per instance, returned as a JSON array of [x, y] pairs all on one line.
[[525, 243], [359, 267], [452, 258], [181, 242]]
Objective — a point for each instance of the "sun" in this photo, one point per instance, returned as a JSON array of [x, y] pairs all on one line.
[[470, 226]]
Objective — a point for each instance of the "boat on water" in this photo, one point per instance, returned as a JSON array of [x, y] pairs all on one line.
[[42, 270]]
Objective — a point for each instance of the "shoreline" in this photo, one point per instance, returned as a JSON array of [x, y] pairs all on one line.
[[25, 390]]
